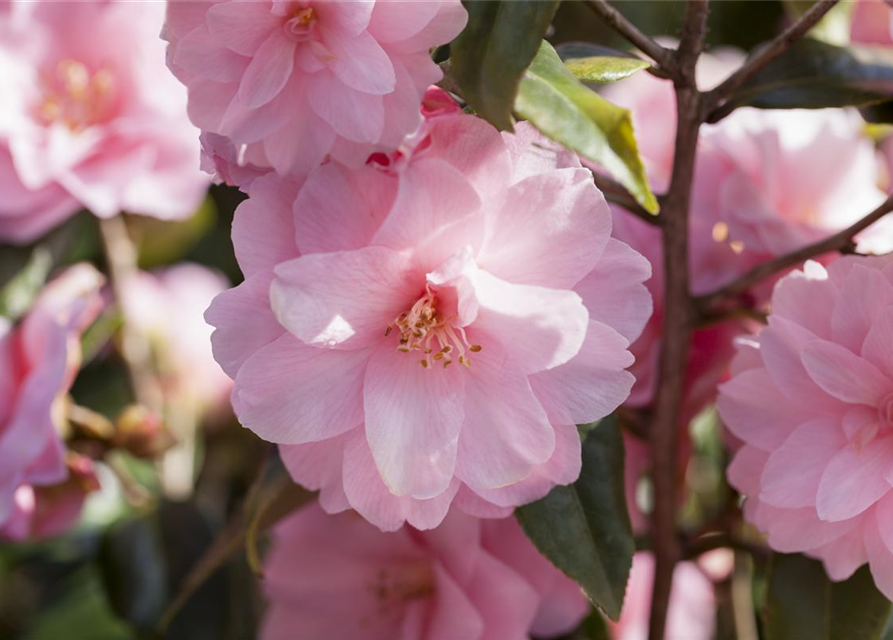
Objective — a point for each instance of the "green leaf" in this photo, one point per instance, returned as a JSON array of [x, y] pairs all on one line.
[[601, 69], [564, 109], [489, 57], [584, 529], [815, 75], [163, 242], [802, 603], [19, 292]]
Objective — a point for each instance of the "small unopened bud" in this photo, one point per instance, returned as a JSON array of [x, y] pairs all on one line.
[[140, 432]]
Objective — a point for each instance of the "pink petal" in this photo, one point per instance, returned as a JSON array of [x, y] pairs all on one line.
[[340, 209], [807, 300], [852, 482], [799, 530], [474, 505], [454, 614], [506, 602], [593, 383], [202, 53], [792, 474], [241, 26], [351, 16], [360, 62], [315, 134], [558, 222], [413, 418], [243, 322], [613, 291], [344, 299], [539, 328], [264, 227], [294, 393], [506, 432], [864, 293], [878, 346], [843, 556], [880, 558], [369, 495], [353, 114], [269, 70], [395, 20], [448, 23], [844, 375]]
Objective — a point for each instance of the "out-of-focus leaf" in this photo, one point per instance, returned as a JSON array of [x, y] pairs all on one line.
[[564, 109], [19, 292], [80, 611], [163, 242], [584, 528], [571, 50], [801, 602], [833, 28], [133, 569], [814, 75], [489, 57], [602, 69]]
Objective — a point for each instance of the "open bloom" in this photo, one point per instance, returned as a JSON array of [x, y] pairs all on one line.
[[812, 400], [445, 318], [38, 362], [692, 607], [290, 82], [338, 577], [90, 117]]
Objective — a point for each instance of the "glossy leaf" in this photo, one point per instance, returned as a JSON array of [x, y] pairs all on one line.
[[801, 602], [564, 109], [489, 57], [815, 75], [584, 528], [601, 69]]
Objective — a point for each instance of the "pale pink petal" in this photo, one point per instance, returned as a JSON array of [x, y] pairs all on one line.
[[360, 62], [843, 556], [474, 505], [293, 393], [506, 431], [368, 494], [448, 23], [880, 558], [792, 474], [394, 20], [574, 225], [264, 227], [864, 293], [353, 114], [844, 375], [455, 615], [203, 53], [344, 299], [878, 345], [506, 602], [269, 70], [413, 418], [853, 481], [593, 383], [350, 16], [240, 26], [806, 299], [613, 291], [243, 322]]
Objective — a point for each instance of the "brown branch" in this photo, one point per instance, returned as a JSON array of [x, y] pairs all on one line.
[[615, 193], [614, 19], [761, 58], [678, 315], [842, 241]]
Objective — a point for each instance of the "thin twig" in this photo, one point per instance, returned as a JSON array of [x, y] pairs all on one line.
[[678, 315], [615, 192], [121, 260], [614, 19], [761, 58], [841, 241]]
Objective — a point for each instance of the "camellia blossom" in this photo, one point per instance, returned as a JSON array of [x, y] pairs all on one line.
[[812, 401], [291, 82], [443, 320], [90, 117], [339, 577], [691, 614], [38, 361]]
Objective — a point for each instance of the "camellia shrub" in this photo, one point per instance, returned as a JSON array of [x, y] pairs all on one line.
[[446, 319]]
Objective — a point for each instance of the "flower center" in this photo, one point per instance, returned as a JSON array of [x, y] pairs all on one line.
[[76, 97], [424, 328], [299, 27]]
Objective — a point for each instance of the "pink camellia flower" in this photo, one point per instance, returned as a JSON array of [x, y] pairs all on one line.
[[38, 362], [812, 400], [444, 319], [291, 82], [90, 118], [692, 605], [338, 577]]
